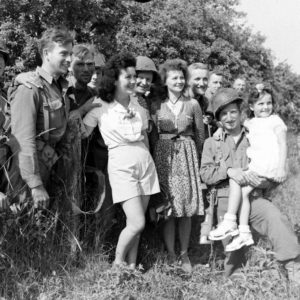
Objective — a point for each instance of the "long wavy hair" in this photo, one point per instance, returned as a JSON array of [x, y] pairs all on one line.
[[111, 74]]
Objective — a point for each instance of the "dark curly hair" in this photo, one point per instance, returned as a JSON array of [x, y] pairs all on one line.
[[255, 95], [111, 73]]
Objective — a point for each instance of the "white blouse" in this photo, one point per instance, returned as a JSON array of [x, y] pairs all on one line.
[[118, 125]]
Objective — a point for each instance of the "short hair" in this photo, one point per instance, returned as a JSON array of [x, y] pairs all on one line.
[[81, 50], [172, 65], [53, 35], [111, 72], [197, 66], [215, 72]]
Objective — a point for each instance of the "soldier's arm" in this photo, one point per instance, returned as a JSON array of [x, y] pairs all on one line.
[[213, 169], [24, 110]]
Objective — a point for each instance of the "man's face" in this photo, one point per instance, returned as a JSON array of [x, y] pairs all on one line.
[[215, 82], [230, 117], [83, 68], [239, 85], [198, 80], [2, 65], [96, 78], [58, 58], [143, 82]]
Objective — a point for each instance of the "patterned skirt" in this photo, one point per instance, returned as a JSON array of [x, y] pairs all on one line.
[[178, 172]]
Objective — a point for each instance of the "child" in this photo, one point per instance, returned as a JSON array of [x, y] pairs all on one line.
[[267, 154]]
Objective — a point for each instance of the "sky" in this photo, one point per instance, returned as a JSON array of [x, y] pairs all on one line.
[[279, 22]]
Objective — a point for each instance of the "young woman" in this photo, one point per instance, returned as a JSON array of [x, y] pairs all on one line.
[[267, 153], [132, 174], [177, 153]]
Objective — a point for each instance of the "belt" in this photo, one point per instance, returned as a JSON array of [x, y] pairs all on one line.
[[174, 137]]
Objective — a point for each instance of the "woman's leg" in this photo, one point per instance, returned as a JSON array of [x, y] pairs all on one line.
[[169, 237], [133, 249], [184, 228], [135, 223]]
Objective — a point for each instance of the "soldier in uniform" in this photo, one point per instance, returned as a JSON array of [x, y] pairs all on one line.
[[39, 118]]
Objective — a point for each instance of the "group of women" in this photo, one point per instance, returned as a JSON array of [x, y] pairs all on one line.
[[124, 120]]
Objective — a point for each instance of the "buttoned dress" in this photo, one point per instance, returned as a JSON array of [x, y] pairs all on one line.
[[130, 168], [177, 154]]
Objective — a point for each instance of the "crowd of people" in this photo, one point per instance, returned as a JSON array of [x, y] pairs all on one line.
[[175, 132]]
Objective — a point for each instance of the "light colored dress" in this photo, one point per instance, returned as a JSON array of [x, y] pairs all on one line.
[[263, 151], [177, 154], [131, 169]]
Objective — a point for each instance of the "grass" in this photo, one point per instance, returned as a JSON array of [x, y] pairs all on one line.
[[33, 265]]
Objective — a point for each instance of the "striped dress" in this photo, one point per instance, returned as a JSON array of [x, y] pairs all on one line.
[[177, 155]]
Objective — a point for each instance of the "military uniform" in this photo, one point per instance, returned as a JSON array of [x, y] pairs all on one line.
[[38, 122]]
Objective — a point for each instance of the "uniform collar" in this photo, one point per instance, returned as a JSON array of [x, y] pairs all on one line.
[[225, 134], [45, 75]]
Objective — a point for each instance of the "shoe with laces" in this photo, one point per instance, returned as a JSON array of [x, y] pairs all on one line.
[[224, 230], [243, 239]]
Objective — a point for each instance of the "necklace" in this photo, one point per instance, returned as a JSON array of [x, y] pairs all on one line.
[[173, 103]]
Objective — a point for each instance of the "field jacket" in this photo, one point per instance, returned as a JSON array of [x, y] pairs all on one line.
[[219, 156]]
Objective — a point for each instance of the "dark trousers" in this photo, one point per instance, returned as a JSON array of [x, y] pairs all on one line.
[[267, 220]]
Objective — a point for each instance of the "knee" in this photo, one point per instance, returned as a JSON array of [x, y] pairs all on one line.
[[137, 225]]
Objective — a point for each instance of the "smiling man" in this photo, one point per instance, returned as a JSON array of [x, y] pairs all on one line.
[[226, 159], [39, 117]]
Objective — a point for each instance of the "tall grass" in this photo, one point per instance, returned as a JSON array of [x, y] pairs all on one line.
[[34, 262]]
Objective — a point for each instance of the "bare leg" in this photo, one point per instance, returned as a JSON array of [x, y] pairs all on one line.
[[234, 199], [135, 223], [169, 237], [184, 227], [133, 250], [228, 226], [245, 205]]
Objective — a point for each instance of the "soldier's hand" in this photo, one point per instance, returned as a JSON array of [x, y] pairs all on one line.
[[238, 175], [89, 105], [3, 202], [40, 197], [253, 178]]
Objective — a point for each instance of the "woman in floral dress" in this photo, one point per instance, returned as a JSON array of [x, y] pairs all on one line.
[[177, 156]]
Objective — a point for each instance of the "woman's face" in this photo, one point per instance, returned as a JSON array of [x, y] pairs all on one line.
[[126, 80], [175, 81]]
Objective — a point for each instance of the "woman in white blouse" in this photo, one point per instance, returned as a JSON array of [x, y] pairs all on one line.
[[132, 174]]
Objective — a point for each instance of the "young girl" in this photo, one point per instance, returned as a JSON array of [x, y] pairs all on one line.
[[267, 155]]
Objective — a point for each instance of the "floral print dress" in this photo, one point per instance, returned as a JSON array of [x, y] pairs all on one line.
[[177, 155]]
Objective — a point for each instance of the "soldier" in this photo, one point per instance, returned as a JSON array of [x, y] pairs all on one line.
[[215, 82], [39, 118], [226, 159]]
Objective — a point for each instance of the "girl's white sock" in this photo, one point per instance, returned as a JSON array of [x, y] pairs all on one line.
[[244, 229], [230, 217]]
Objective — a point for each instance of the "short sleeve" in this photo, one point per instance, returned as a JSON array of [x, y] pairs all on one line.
[[92, 118], [277, 123]]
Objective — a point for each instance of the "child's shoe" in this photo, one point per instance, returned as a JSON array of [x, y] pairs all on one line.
[[224, 230], [243, 239]]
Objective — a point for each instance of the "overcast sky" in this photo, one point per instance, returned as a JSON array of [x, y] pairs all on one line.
[[279, 21]]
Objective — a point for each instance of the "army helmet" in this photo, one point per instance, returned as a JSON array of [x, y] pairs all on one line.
[[222, 98]]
